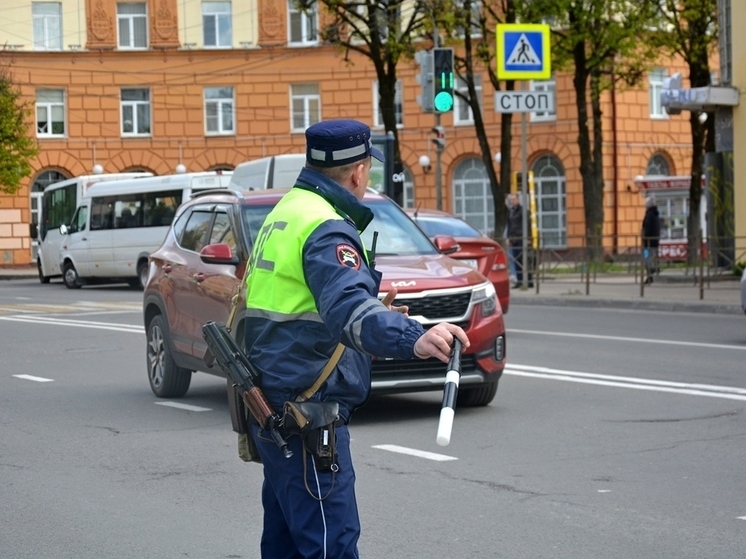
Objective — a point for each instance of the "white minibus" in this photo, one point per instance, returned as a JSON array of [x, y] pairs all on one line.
[[275, 171], [118, 224], [59, 202]]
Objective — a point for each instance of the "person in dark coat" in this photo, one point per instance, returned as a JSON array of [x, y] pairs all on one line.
[[651, 234], [515, 238]]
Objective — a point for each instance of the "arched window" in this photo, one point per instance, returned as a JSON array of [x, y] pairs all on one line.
[[45, 178], [472, 196], [551, 201], [658, 166], [42, 180], [221, 168]]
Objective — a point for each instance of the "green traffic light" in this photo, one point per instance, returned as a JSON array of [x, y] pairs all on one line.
[[443, 102]]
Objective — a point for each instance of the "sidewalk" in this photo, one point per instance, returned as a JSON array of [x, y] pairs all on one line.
[[671, 291]]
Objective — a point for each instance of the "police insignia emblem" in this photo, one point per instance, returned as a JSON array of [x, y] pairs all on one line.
[[348, 256]]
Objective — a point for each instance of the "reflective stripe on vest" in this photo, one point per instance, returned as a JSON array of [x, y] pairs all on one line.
[[276, 282]]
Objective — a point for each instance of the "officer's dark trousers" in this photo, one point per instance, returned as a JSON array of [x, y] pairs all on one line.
[[296, 526]]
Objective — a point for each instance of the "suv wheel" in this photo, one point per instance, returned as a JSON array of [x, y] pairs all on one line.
[[70, 276], [167, 380], [475, 397], [42, 277]]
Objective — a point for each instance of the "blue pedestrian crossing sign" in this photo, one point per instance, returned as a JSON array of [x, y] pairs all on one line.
[[523, 51]]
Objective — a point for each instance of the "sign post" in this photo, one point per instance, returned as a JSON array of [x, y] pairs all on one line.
[[522, 54]]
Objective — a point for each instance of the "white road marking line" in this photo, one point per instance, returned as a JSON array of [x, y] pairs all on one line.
[[742, 518], [76, 323], [712, 391], [182, 406], [604, 490], [414, 452], [37, 379], [626, 339]]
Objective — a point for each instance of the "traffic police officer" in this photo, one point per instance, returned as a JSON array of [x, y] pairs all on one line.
[[309, 288]]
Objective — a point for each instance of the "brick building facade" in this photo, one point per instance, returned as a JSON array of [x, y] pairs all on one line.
[[154, 84]]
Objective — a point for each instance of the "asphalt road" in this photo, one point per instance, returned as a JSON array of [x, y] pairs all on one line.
[[614, 434]]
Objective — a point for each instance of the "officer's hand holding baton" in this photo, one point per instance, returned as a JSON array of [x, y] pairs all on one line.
[[437, 341]]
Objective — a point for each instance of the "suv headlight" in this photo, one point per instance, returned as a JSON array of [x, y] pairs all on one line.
[[485, 294]]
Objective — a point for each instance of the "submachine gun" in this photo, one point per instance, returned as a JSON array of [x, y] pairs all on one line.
[[239, 370]]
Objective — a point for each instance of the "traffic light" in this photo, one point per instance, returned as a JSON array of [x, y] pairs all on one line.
[[440, 137], [425, 79], [443, 78]]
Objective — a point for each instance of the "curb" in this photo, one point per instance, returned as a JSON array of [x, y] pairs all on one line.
[[597, 302]]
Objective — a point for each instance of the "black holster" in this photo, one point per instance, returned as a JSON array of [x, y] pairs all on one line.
[[314, 422]]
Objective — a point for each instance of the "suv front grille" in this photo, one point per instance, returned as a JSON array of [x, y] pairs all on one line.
[[437, 307]]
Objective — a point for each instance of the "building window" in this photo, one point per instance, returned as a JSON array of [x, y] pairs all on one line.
[[475, 16], [135, 112], [50, 113], [219, 116], [47, 17], [398, 108], [544, 116], [656, 77], [132, 22], [472, 195], [217, 25], [658, 166], [549, 184], [305, 106], [302, 24], [462, 113], [674, 212]]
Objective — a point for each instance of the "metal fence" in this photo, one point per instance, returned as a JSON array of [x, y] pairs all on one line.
[[715, 263]]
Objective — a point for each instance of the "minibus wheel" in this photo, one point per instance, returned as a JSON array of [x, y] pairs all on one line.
[[70, 276]]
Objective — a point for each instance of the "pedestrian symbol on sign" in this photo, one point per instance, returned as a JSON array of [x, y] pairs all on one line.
[[523, 53]]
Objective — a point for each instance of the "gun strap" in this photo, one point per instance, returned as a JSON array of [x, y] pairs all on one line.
[[324, 374]]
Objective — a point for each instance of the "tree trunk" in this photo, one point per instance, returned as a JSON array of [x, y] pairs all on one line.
[[580, 81], [594, 202]]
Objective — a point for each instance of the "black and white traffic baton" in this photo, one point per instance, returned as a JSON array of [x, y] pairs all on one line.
[[450, 392]]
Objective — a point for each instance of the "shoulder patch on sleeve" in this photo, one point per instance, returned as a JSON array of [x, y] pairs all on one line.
[[348, 256]]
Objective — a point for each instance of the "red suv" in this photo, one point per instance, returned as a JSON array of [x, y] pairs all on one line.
[[195, 274]]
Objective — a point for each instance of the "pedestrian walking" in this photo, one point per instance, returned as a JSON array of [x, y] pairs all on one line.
[[311, 287], [515, 238], [651, 232]]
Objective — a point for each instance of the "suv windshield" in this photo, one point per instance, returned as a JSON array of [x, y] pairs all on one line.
[[397, 234]]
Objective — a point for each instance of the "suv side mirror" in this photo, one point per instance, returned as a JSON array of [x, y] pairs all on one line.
[[33, 231], [446, 244], [219, 253], [63, 229]]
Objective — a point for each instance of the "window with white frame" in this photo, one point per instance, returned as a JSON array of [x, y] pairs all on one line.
[[551, 201], [305, 102], [544, 85], [475, 7], [302, 25], [50, 113], [47, 23], [472, 195], [132, 24], [219, 110], [462, 113], [398, 109], [135, 112], [217, 24], [655, 85]]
